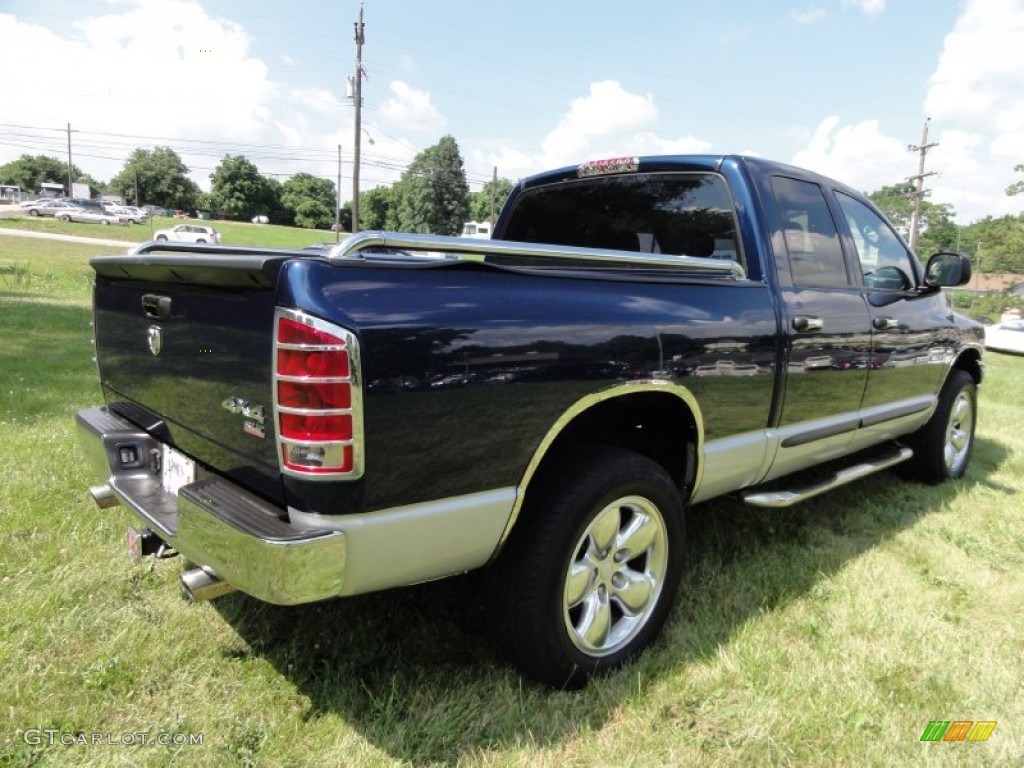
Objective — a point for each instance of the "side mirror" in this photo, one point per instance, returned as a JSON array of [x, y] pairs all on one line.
[[947, 270]]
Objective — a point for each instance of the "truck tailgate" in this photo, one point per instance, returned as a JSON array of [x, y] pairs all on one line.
[[183, 345]]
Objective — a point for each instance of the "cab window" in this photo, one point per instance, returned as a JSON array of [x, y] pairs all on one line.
[[812, 242], [685, 214], [885, 262]]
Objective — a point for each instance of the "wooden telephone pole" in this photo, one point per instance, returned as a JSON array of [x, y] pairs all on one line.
[[357, 96], [922, 150]]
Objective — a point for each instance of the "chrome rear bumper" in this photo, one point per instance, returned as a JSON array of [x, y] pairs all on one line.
[[212, 521]]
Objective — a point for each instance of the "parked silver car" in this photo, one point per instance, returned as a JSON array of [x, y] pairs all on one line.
[[49, 207], [91, 217]]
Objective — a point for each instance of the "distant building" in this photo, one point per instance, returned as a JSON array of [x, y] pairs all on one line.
[[10, 194], [51, 189]]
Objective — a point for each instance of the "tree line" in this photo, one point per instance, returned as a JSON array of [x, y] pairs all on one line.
[[432, 196]]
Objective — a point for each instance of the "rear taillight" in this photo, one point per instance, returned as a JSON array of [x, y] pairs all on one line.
[[317, 399]]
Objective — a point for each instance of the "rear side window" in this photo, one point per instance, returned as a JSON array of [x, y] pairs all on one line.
[[812, 242], [685, 214]]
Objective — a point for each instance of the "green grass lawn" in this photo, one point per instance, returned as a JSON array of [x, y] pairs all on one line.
[[828, 635], [232, 232]]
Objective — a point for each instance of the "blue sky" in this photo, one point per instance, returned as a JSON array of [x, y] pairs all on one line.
[[841, 86]]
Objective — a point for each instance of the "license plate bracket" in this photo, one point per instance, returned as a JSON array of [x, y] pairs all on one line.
[[176, 470]]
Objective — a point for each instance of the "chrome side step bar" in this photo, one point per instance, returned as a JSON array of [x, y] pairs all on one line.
[[787, 498]]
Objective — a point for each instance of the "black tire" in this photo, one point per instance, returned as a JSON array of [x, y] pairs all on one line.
[[200, 240], [562, 630], [33, 212], [942, 447], [161, 238], [104, 222], [65, 219]]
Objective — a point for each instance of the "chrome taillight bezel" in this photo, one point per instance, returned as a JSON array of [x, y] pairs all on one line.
[[354, 411]]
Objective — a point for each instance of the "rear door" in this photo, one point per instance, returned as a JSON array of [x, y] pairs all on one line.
[[827, 326]]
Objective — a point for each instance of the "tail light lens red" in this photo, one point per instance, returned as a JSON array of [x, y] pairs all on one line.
[[317, 398]]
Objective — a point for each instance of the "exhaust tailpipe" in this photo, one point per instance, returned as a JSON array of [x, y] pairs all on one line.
[[202, 584], [103, 496]]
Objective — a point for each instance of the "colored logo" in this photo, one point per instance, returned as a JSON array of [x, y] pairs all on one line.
[[958, 730]]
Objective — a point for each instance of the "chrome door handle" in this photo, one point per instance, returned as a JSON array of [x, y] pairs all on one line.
[[805, 324], [885, 323]]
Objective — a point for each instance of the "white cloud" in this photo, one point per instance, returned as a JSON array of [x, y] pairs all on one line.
[[141, 73], [871, 8], [977, 122], [608, 111], [859, 155], [808, 15], [410, 109], [975, 104], [608, 122]]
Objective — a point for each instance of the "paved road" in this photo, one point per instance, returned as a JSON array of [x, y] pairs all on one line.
[[68, 238]]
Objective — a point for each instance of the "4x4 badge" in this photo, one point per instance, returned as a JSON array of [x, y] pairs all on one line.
[[155, 339]]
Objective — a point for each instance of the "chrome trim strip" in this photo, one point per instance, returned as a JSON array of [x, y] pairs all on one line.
[[352, 248], [833, 428], [870, 417], [420, 542], [312, 347], [314, 443], [581, 405], [313, 379], [314, 411]]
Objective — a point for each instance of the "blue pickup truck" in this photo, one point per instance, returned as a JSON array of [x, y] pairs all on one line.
[[640, 334]]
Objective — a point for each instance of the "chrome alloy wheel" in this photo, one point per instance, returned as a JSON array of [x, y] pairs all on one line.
[[959, 432], [616, 576]]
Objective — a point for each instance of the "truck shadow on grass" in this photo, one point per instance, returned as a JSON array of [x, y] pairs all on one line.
[[413, 672]]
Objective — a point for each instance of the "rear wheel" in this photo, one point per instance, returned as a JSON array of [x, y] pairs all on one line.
[[200, 240], [942, 447], [592, 570], [33, 212]]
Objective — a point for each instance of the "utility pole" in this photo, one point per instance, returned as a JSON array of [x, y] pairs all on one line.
[[357, 95], [71, 181], [922, 150], [337, 203], [494, 194]]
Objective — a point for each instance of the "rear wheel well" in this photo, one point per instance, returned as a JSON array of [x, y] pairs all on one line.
[[654, 424]]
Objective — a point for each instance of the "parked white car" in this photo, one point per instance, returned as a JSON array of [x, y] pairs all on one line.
[[187, 233], [1007, 336]]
